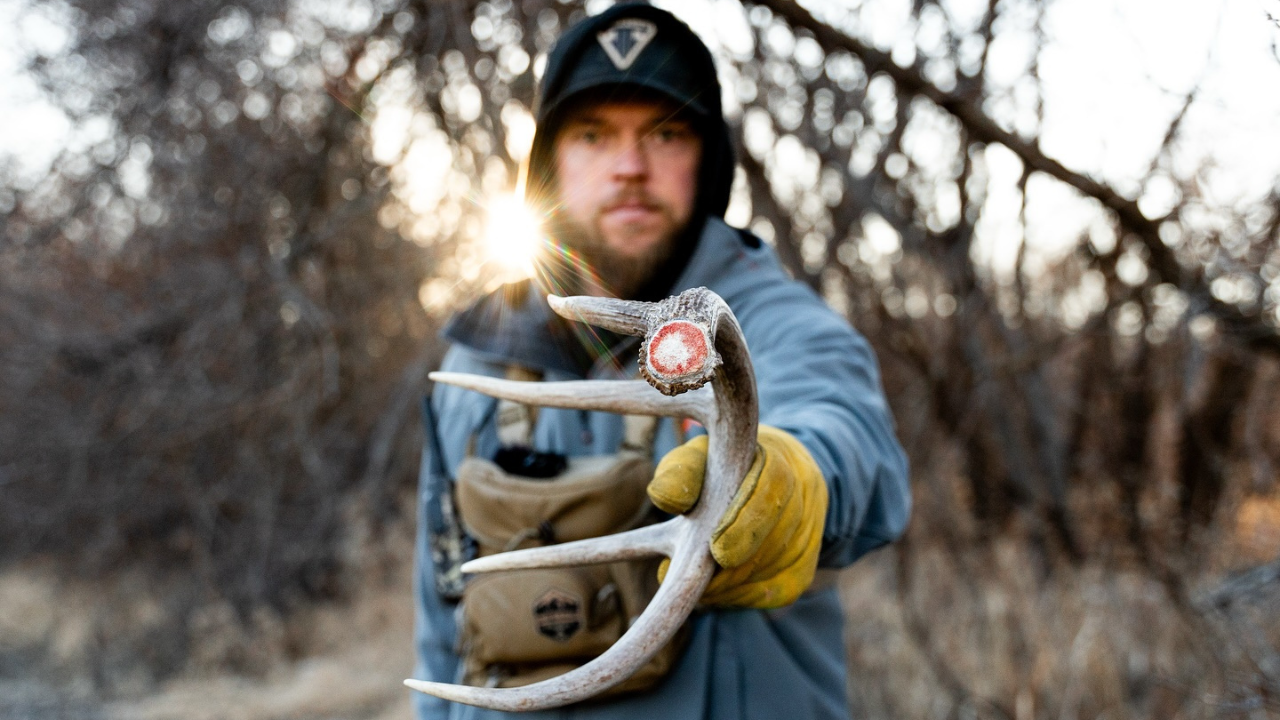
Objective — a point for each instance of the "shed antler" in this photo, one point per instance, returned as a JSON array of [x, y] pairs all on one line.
[[689, 340]]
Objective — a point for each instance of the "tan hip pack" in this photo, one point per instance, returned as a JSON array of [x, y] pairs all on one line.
[[520, 627]]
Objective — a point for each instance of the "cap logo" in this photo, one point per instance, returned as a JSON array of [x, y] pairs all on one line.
[[624, 40]]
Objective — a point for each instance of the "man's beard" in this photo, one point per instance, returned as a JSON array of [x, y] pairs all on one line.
[[620, 275]]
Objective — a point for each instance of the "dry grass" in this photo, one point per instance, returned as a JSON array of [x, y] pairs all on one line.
[[362, 650], [991, 632], [326, 661], [935, 630]]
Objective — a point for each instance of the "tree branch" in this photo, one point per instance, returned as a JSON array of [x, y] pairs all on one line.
[[967, 108]]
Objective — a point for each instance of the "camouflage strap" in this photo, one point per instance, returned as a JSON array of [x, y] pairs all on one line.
[[449, 545]]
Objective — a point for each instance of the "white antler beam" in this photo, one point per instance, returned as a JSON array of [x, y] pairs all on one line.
[[689, 340]]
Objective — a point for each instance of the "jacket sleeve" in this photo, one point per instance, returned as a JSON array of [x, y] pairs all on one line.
[[457, 414], [819, 380]]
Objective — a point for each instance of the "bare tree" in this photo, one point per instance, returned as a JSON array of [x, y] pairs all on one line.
[[210, 345]]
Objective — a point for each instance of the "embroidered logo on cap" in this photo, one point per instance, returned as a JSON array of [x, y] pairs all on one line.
[[624, 40]]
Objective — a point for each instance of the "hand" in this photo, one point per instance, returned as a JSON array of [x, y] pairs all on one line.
[[767, 542]]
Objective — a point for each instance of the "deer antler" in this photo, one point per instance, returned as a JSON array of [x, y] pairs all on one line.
[[689, 340]]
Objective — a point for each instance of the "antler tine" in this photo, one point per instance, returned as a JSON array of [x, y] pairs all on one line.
[[690, 570], [646, 542], [628, 397], [625, 316]]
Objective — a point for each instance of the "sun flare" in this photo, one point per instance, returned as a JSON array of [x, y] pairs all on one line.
[[512, 235]]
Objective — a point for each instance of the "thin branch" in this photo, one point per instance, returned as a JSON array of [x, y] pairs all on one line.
[[1247, 326]]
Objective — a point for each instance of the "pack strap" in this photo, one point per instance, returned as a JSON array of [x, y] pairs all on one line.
[[516, 421]]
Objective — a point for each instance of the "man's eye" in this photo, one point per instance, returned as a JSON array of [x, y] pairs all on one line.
[[670, 134], [591, 137]]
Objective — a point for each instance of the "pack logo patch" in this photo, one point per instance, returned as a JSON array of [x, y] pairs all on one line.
[[625, 39], [558, 614]]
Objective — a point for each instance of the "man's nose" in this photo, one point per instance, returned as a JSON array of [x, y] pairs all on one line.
[[631, 161]]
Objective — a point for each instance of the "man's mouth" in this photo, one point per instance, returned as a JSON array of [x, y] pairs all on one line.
[[631, 211]]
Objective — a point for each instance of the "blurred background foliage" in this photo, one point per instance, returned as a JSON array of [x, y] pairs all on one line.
[[220, 301]]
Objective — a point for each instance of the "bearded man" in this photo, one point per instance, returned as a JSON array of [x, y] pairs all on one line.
[[632, 165]]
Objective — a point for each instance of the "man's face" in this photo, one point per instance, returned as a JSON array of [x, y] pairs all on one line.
[[627, 182]]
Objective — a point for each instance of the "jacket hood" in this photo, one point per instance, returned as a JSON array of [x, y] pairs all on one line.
[[514, 324], [635, 46]]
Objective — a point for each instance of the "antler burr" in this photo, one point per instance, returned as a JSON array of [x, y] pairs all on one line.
[[690, 340]]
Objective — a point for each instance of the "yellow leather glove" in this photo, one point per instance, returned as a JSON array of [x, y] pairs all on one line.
[[767, 542]]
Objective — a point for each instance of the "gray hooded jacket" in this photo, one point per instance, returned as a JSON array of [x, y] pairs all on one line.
[[817, 379]]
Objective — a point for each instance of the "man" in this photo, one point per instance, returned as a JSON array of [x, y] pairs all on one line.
[[632, 164]]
